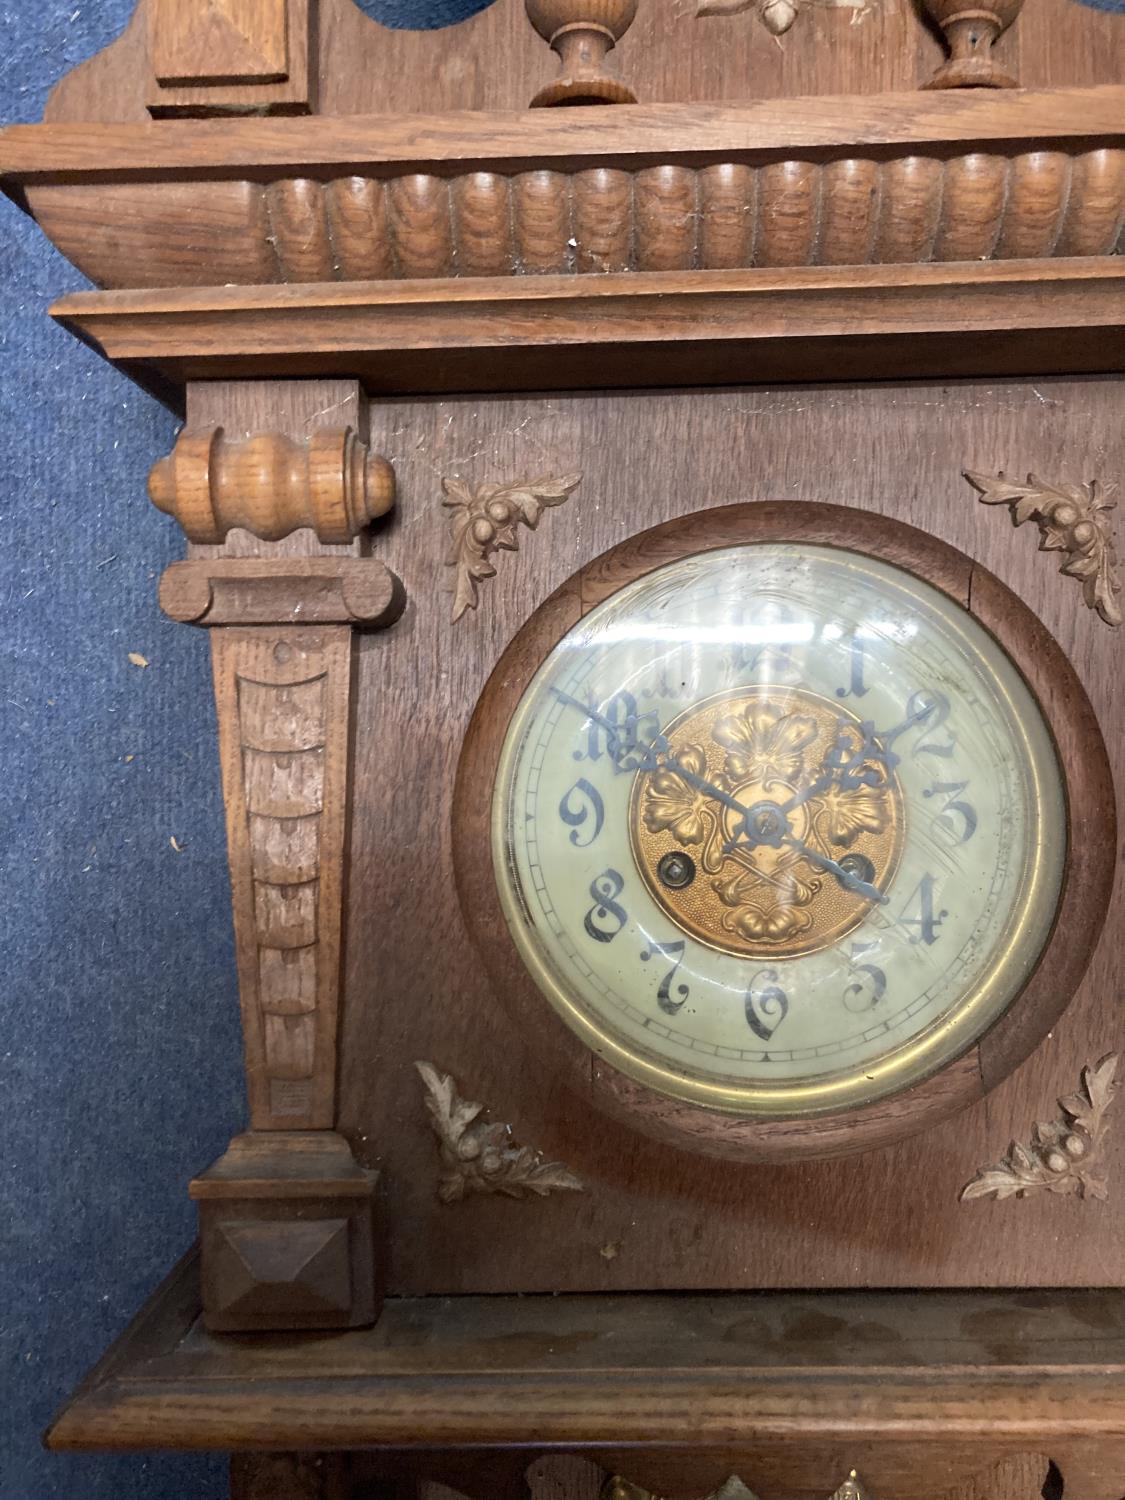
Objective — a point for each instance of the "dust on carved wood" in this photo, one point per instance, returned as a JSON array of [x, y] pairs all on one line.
[[487, 519], [478, 1157], [1063, 1152], [777, 16], [1072, 518]]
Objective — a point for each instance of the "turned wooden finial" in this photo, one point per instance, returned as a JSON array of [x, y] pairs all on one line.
[[271, 484], [970, 32], [583, 33]]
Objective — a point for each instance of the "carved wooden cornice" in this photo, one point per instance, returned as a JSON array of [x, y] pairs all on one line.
[[932, 1391], [902, 179], [552, 332]]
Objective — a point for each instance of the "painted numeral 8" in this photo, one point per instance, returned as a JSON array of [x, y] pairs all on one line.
[[606, 917]]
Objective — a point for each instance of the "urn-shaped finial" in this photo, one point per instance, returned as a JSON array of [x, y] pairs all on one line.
[[583, 33], [970, 31]]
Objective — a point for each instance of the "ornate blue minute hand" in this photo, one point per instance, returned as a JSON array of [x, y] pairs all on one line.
[[849, 881], [648, 758]]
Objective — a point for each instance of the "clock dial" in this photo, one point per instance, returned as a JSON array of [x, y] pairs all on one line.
[[779, 829]]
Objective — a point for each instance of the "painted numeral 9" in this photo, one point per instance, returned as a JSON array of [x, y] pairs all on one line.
[[589, 803]]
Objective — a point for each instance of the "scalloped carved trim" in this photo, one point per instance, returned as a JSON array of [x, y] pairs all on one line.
[[487, 520], [849, 208], [478, 1157], [1072, 518], [1063, 1154]]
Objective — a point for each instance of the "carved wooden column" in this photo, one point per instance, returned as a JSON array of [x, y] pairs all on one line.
[[275, 488]]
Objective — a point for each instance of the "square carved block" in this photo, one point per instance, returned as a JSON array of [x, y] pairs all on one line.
[[219, 41], [231, 57], [288, 1234]]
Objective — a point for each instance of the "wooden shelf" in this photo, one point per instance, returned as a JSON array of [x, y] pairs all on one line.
[[628, 329], [328, 146], [926, 1388]]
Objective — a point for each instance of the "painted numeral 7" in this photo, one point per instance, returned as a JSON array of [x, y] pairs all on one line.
[[674, 952]]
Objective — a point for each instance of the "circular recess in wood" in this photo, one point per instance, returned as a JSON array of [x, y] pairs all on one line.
[[786, 828]]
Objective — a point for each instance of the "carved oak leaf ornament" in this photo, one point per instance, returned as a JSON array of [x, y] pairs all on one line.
[[1062, 1155], [777, 15], [487, 519], [1072, 518], [478, 1157]]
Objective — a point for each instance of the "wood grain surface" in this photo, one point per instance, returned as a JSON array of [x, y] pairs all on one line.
[[231, 56], [415, 988], [496, 60], [1087, 878], [324, 147], [663, 328], [923, 1394], [275, 1476], [799, 182]]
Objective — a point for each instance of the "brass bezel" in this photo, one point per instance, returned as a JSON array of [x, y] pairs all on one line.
[[942, 1043]]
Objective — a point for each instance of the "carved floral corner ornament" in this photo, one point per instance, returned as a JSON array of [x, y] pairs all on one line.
[[778, 15], [487, 520], [1072, 518], [1062, 1156], [478, 1157]]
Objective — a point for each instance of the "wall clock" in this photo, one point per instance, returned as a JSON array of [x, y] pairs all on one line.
[[780, 830], [669, 808]]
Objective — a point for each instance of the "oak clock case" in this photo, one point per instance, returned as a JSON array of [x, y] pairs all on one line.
[[779, 832]]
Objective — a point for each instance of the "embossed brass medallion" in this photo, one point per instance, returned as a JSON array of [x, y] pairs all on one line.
[[759, 886]]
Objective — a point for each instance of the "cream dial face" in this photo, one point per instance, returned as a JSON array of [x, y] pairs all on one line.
[[779, 829]]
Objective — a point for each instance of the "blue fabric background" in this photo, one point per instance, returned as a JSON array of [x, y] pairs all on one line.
[[120, 1066]]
